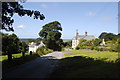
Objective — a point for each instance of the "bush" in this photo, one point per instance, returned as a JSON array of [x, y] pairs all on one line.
[[43, 50], [77, 48], [106, 49], [101, 49], [113, 49], [47, 51], [92, 47], [95, 48]]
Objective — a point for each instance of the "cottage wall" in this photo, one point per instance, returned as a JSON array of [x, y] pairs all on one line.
[[75, 43], [33, 47]]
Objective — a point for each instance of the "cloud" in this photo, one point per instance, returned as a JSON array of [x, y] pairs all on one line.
[[106, 19], [90, 14], [20, 26], [44, 5]]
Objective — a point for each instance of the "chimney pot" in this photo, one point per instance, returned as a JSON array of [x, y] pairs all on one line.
[[85, 33]]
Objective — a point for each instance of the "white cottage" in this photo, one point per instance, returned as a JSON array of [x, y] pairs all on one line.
[[75, 40], [33, 46]]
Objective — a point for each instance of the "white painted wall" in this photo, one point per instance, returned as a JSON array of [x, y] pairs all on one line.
[[75, 43], [33, 47]]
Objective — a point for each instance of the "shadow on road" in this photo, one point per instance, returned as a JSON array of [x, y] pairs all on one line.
[[78, 67], [39, 68]]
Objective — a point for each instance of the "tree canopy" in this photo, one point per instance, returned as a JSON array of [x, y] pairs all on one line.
[[97, 42], [10, 45], [23, 47], [50, 27], [67, 44], [10, 8], [51, 35], [108, 36]]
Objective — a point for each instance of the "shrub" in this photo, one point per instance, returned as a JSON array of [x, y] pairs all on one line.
[[95, 48], [77, 48], [92, 47], [106, 49], [43, 50], [96, 41], [101, 49]]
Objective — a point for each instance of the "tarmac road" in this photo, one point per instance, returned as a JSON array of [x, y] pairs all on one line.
[[39, 68]]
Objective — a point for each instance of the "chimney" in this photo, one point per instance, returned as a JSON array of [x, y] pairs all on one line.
[[85, 33], [77, 34]]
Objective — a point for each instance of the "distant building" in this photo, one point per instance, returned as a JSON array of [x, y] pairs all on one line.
[[103, 43], [75, 40], [34, 46]]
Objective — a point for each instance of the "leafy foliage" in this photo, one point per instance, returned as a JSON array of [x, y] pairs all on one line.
[[50, 27], [111, 43], [31, 40], [82, 42], [51, 35], [97, 42], [43, 50], [67, 44], [108, 36], [23, 47], [10, 44], [10, 8], [38, 40]]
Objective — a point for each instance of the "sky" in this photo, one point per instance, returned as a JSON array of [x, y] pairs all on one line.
[[91, 17]]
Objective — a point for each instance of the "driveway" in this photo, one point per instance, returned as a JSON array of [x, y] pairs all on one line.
[[39, 68]]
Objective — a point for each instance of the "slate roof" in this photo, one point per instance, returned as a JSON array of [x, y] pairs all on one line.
[[87, 37], [32, 44]]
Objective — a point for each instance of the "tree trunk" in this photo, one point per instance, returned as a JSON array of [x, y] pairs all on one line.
[[23, 54], [30, 52], [10, 57]]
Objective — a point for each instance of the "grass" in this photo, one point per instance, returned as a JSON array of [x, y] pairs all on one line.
[[5, 57], [88, 64], [70, 50], [108, 56]]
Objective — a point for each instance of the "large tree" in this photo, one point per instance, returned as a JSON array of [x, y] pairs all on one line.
[[10, 8], [67, 44], [23, 48], [108, 36], [10, 45], [51, 35]]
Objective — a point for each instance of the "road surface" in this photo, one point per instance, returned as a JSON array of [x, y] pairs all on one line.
[[41, 67]]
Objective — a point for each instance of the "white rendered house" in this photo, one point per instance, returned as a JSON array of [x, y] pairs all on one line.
[[33, 46]]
